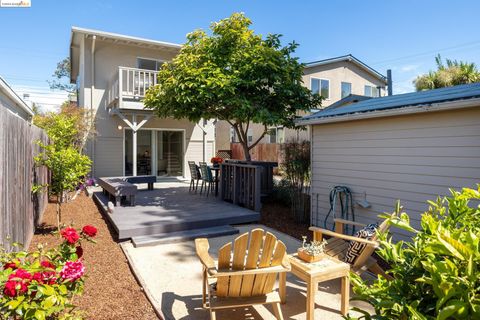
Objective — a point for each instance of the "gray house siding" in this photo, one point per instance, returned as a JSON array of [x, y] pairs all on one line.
[[412, 158]]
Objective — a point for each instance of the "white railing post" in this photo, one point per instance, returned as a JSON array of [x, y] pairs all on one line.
[[120, 85]]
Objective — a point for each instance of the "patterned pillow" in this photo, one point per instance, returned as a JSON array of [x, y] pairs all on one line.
[[355, 248]]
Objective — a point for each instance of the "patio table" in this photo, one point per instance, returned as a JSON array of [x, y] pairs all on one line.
[[313, 273]]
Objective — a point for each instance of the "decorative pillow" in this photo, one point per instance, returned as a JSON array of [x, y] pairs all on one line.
[[355, 248]]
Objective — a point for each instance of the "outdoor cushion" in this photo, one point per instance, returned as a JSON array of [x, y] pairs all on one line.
[[355, 248]]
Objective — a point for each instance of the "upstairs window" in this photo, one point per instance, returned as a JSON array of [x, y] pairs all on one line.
[[371, 91], [250, 135], [272, 135], [346, 89], [321, 87], [233, 135], [149, 64]]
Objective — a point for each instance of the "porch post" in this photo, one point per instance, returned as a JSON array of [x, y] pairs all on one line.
[[134, 122]]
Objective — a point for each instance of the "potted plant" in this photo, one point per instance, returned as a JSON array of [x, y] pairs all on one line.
[[216, 161], [313, 251]]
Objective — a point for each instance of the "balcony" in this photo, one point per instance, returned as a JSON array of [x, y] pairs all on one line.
[[128, 87]]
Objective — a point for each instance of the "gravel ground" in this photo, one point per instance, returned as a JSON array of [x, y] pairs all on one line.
[[111, 291]]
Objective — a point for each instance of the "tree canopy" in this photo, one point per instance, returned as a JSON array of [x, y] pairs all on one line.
[[61, 77], [450, 73], [234, 75]]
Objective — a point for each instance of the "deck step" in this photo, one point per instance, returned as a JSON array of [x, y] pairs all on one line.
[[171, 237]]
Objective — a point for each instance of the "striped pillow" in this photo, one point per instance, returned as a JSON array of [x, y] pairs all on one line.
[[355, 248]]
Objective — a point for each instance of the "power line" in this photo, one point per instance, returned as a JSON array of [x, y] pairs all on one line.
[[474, 43]]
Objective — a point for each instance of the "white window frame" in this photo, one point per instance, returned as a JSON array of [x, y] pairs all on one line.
[[249, 136], [157, 61], [372, 87], [341, 91], [320, 79]]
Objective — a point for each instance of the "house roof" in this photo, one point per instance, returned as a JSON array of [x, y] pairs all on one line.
[[348, 58], [429, 100], [5, 87], [114, 38], [351, 98]]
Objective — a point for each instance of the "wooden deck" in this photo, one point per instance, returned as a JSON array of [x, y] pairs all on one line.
[[171, 208]]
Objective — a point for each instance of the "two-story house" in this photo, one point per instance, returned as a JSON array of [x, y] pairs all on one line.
[[334, 79], [112, 73]]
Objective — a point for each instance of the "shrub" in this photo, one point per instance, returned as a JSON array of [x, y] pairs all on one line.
[[42, 284], [296, 169], [435, 276]]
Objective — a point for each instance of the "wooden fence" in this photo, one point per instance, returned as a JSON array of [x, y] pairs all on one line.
[[20, 209], [261, 152]]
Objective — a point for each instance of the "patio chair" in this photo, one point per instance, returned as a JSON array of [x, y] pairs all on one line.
[[195, 176], [339, 242], [246, 275], [207, 178]]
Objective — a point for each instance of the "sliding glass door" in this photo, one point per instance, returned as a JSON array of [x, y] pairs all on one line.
[[159, 152]]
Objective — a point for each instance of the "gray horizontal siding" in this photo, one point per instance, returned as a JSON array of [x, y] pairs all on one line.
[[108, 156], [410, 158]]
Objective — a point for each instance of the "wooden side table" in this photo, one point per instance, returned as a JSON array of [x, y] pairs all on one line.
[[313, 273]]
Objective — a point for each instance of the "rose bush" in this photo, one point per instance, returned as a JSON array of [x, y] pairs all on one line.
[[41, 284]]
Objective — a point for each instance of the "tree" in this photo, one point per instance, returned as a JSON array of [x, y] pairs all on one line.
[[69, 127], [234, 75], [67, 165], [68, 168], [451, 73], [61, 77]]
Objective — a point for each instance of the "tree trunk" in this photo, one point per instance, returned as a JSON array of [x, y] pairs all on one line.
[[59, 209], [246, 151]]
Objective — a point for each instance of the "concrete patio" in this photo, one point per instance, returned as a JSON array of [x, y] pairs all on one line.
[[171, 277]]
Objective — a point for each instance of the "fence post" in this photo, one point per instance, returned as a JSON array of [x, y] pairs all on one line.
[[258, 189]]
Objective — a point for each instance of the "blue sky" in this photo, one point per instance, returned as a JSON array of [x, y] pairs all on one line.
[[402, 35]]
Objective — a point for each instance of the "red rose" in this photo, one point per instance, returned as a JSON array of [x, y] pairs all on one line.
[[47, 264], [90, 231], [20, 274], [17, 283], [70, 235], [10, 289], [47, 277], [10, 265], [79, 252], [38, 276]]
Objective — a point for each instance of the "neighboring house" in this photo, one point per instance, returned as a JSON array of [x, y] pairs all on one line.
[[112, 73], [410, 147], [13, 103], [334, 79]]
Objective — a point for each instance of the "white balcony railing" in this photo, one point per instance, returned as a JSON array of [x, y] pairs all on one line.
[[130, 84]]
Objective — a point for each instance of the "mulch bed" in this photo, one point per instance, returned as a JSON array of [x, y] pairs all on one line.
[[111, 291], [279, 217]]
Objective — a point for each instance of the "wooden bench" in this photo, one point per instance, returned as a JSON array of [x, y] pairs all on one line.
[[117, 188], [150, 180]]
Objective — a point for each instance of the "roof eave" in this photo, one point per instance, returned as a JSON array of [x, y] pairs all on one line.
[[352, 59], [118, 36], [14, 96], [434, 107]]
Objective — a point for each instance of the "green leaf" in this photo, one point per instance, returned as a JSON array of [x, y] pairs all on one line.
[[40, 315], [416, 315], [49, 302], [448, 311]]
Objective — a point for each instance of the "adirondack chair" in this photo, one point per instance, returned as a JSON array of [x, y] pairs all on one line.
[[338, 245], [245, 274]]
